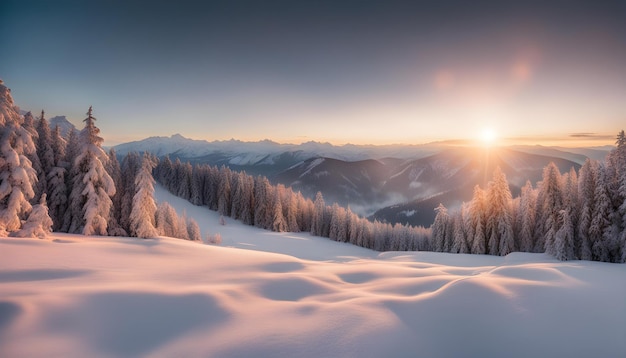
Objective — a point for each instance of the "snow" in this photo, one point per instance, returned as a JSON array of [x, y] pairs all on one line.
[[266, 151], [266, 294]]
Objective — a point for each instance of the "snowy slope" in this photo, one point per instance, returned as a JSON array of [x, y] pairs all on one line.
[[75, 296]]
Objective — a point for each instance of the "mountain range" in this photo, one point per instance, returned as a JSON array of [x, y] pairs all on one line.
[[393, 183]]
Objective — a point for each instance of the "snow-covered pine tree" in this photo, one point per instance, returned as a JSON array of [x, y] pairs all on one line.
[[613, 231], [278, 223], [193, 230], [526, 217], [165, 172], [143, 213], [71, 152], [586, 197], [45, 152], [353, 227], [499, 226], [459, 244], [92, 186], [17, 177], [570, 203], [601, 217], [183, 175], [291, 211], [337, 230], [182, 232], [620, 153], [318, 219], [167, 220], [364, 236], [439, 228], [247, 205], [551, 196], [115, 171], [39, 223], [478, 219], [129, 168], [57, 191], [305, 212], [261, 199], [210, 188], [224, 192], [564, 239], [238, 193], [39, 187], [197, 184]]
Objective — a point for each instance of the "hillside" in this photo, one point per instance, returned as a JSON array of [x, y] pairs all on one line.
[[77, 296]]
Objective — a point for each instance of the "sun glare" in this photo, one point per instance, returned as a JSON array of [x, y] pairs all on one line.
[[488, 136]]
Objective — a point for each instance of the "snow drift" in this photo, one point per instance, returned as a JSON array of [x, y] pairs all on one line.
[[76, 296]]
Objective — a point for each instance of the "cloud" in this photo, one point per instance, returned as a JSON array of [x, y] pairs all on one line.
[[588, 135]]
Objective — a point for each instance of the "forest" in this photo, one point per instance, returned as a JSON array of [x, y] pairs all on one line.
[[71, 184]]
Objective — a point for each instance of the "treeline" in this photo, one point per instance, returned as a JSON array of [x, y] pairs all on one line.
[[254, 201], [576, 215], [49, 182]]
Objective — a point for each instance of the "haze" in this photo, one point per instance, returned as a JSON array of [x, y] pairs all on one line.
[[339, 71]]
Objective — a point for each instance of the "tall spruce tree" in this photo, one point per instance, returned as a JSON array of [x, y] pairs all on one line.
[[587, 203], [92, 186], [499, 226], [142, 216], [17, 177], [57, 189], [550, 201]]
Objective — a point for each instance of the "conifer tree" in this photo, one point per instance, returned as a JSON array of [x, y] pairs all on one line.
[[318, 220], [129, 168], [115, 171], [601, 217], [224, 192], [193, 230], [564, 240], [17, 177], [39, 187], [586, 190], [551, 196], [92, 186], [238, 194], [278, 222], [197, 185], [57, 190], [460, 243], [71, 152], [291, 211], [478, 219], [142, 216], [261, 200], [526, 217], [45, 153], [499, 228], [439, 228], [167, 220], [39, 223]]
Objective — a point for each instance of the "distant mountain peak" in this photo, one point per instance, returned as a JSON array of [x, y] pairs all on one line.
[[63, 123]]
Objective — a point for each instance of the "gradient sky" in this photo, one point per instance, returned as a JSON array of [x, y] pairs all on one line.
[[375, 72]]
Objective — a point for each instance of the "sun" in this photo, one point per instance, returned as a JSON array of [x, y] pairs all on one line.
[[488, 136]]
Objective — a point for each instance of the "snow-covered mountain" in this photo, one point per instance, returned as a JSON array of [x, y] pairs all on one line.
[[450, 176], [264, 156], [64, 125], [403, 183], [394, 188]]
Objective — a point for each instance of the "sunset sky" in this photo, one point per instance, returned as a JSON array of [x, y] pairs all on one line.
[[378, 72]]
